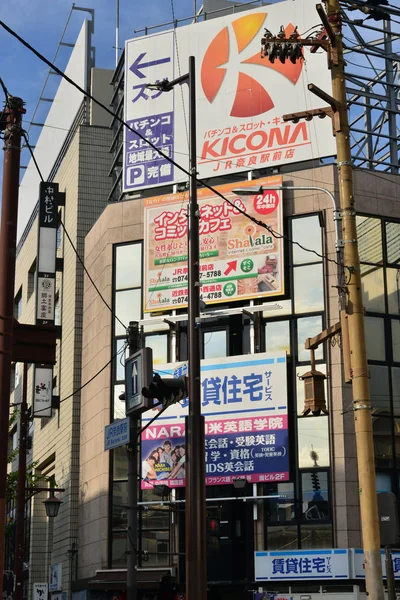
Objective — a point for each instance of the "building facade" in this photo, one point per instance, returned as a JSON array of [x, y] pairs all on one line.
[[318, 507]]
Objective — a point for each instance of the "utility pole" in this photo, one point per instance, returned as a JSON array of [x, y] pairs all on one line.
[[132, 452], [195, 517], [355, 312], [196, 556], [21, 492], [11, 123], [290, 48]]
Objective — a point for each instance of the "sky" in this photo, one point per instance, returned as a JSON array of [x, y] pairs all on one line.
[[41, 23]]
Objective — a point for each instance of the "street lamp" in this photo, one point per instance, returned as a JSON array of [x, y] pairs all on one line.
[[52, 505]]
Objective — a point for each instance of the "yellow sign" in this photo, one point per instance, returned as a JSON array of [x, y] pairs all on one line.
[[239, 259]]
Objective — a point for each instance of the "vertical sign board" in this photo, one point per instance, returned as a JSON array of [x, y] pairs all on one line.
[[241, 98], [45, 289], [40, 591], [55, 577], [238, 259], [244, 401]]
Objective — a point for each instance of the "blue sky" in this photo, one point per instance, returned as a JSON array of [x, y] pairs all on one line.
[[41, 23]]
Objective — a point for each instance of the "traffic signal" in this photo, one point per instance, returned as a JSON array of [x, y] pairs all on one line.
[[213, 533], [168, 390]]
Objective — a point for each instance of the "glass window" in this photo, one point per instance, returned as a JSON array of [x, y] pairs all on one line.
[[285, 309], [120, 464], [369, 234], [156, 543], [119, 548], [215, 343], [383, 482], [379, 388], [382, 431], [396, 390], [281, 505], [396, 340], [308, 327], [375, 338], [128, 266], [316, 536], [300, 385], [393, 242], [315, 500], [127, 308], [120, 359], [373, 290], [282, 537], [277, 336], [57, 311], [32, 279], [18, 304], [119, 505], [119, 405], [393, 290], [397, 438], [308, 288], [58, 237], [159, 345], [155, 517], [307, 232], [313, 442]]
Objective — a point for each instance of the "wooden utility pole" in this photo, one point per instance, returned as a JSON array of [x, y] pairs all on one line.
[[355, 312], [11, 124]]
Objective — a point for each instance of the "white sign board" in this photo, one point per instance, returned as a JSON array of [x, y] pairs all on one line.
[[359, 564], [55, 577], [116, 434], [279, 565], [241, 98], [42, 391], [40, 591]]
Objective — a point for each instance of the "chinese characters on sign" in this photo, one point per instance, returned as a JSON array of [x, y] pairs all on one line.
[[238, 259], [245, 407], [116, 434], [302, 564], [47, 248], [239, 105], [42, 391]]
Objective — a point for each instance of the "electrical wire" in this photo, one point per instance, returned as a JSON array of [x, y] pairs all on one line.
[[261, 224], [24, 133]]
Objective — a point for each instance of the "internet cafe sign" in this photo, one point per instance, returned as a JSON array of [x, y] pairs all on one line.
[[239, 260]]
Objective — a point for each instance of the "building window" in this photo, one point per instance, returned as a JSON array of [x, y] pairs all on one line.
[[57, 320], [18, 304], [215, 343], [32, 279]]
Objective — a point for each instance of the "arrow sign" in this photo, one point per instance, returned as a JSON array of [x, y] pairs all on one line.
[[134, 378], [230, 266], [138, 65]]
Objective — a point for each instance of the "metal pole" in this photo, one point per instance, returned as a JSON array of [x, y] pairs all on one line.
[[21, 497], [116, 32], [355, 311], [390, 582], [196, 579], [8, 234], [132, 512]]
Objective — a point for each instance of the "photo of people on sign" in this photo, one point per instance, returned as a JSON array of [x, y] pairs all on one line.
[[239, 259], [244, 402]]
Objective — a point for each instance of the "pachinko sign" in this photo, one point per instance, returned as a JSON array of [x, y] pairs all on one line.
[[241, 98], [238, 259], [244, 401]]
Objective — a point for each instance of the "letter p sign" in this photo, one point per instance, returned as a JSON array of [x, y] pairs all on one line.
[[135, 175]]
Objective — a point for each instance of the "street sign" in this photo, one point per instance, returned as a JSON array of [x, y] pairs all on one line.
[[116, 434], [138, 374], [40, 591]]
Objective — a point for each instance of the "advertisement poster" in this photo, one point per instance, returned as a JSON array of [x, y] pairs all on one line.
[[239, 260], [302, 564], [241, 98], [244, 401]]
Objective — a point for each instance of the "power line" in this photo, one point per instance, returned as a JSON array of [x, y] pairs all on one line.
[[69, 237], [261, 224]]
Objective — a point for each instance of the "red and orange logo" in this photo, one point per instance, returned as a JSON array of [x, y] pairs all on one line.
[[251, 98]]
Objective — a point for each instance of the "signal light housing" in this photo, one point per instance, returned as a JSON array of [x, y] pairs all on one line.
[[168, 390]]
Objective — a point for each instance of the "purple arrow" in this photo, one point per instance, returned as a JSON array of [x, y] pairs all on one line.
[[137, 66]]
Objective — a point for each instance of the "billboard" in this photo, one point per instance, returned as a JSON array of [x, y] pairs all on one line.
[[240, 98], [244, 401], [238, 259]]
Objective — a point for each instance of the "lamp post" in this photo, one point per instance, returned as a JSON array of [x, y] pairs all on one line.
[[196, 578]]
